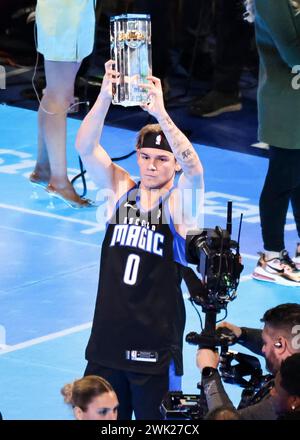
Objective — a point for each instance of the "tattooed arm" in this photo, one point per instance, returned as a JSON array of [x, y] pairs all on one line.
[[186, 202], [182, 149], [99, 165]]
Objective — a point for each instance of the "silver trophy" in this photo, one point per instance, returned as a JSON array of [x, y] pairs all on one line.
[[130, 38]]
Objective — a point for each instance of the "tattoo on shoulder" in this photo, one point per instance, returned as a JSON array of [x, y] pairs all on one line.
[[187, 153]]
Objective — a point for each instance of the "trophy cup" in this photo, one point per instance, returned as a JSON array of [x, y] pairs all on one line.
[[130, 37]]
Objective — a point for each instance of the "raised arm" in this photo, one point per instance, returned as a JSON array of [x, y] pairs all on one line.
[[182, 149], [97, 162], [190, 185]]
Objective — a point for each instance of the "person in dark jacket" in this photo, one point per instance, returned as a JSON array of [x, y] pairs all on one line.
[[277, 341], [277, 27]]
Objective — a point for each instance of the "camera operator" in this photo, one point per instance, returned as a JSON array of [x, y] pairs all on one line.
[[275, 342]]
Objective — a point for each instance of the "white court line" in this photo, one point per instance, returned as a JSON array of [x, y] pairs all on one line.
[[49, 214], [246, 277], [10, 348], [55, 237], [49, 278], [251, 257], [186, 295], [74, 220], [31, 342]]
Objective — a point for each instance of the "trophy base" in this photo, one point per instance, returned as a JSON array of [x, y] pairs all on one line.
[[129, 103], [130, 94]]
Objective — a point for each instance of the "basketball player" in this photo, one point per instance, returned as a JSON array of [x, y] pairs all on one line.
[[136, 338]]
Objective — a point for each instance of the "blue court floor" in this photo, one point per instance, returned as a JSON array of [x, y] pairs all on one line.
[[49, 262]]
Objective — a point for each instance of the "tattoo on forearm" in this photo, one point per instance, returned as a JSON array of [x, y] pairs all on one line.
[[181, 146], [178, 138], [186, 154], [169, 122]]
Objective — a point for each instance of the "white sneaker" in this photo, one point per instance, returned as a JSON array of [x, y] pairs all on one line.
[[282, 270]]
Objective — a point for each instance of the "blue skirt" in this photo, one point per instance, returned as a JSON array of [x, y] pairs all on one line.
[[65, 29]]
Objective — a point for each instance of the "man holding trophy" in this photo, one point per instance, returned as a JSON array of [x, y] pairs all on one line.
[[136, 338]]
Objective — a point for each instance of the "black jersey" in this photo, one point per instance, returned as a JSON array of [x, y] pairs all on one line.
[[139, 316]]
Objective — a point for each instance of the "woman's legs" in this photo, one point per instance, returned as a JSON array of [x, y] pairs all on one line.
[[52, 123], [41, 172]]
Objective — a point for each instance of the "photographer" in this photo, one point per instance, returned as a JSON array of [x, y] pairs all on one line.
[[276, 342]]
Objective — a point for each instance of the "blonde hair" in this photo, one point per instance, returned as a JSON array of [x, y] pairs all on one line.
[[250, 12], [82, 391]]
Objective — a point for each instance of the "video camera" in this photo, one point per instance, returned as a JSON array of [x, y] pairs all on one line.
[[256, 386], [218, 261], [234, 368], [219, 264]]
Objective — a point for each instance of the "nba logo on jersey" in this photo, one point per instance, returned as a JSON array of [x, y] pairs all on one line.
[[158, 140]]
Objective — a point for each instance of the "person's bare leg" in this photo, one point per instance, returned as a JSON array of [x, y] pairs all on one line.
[[60, 79], [41, 172]]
